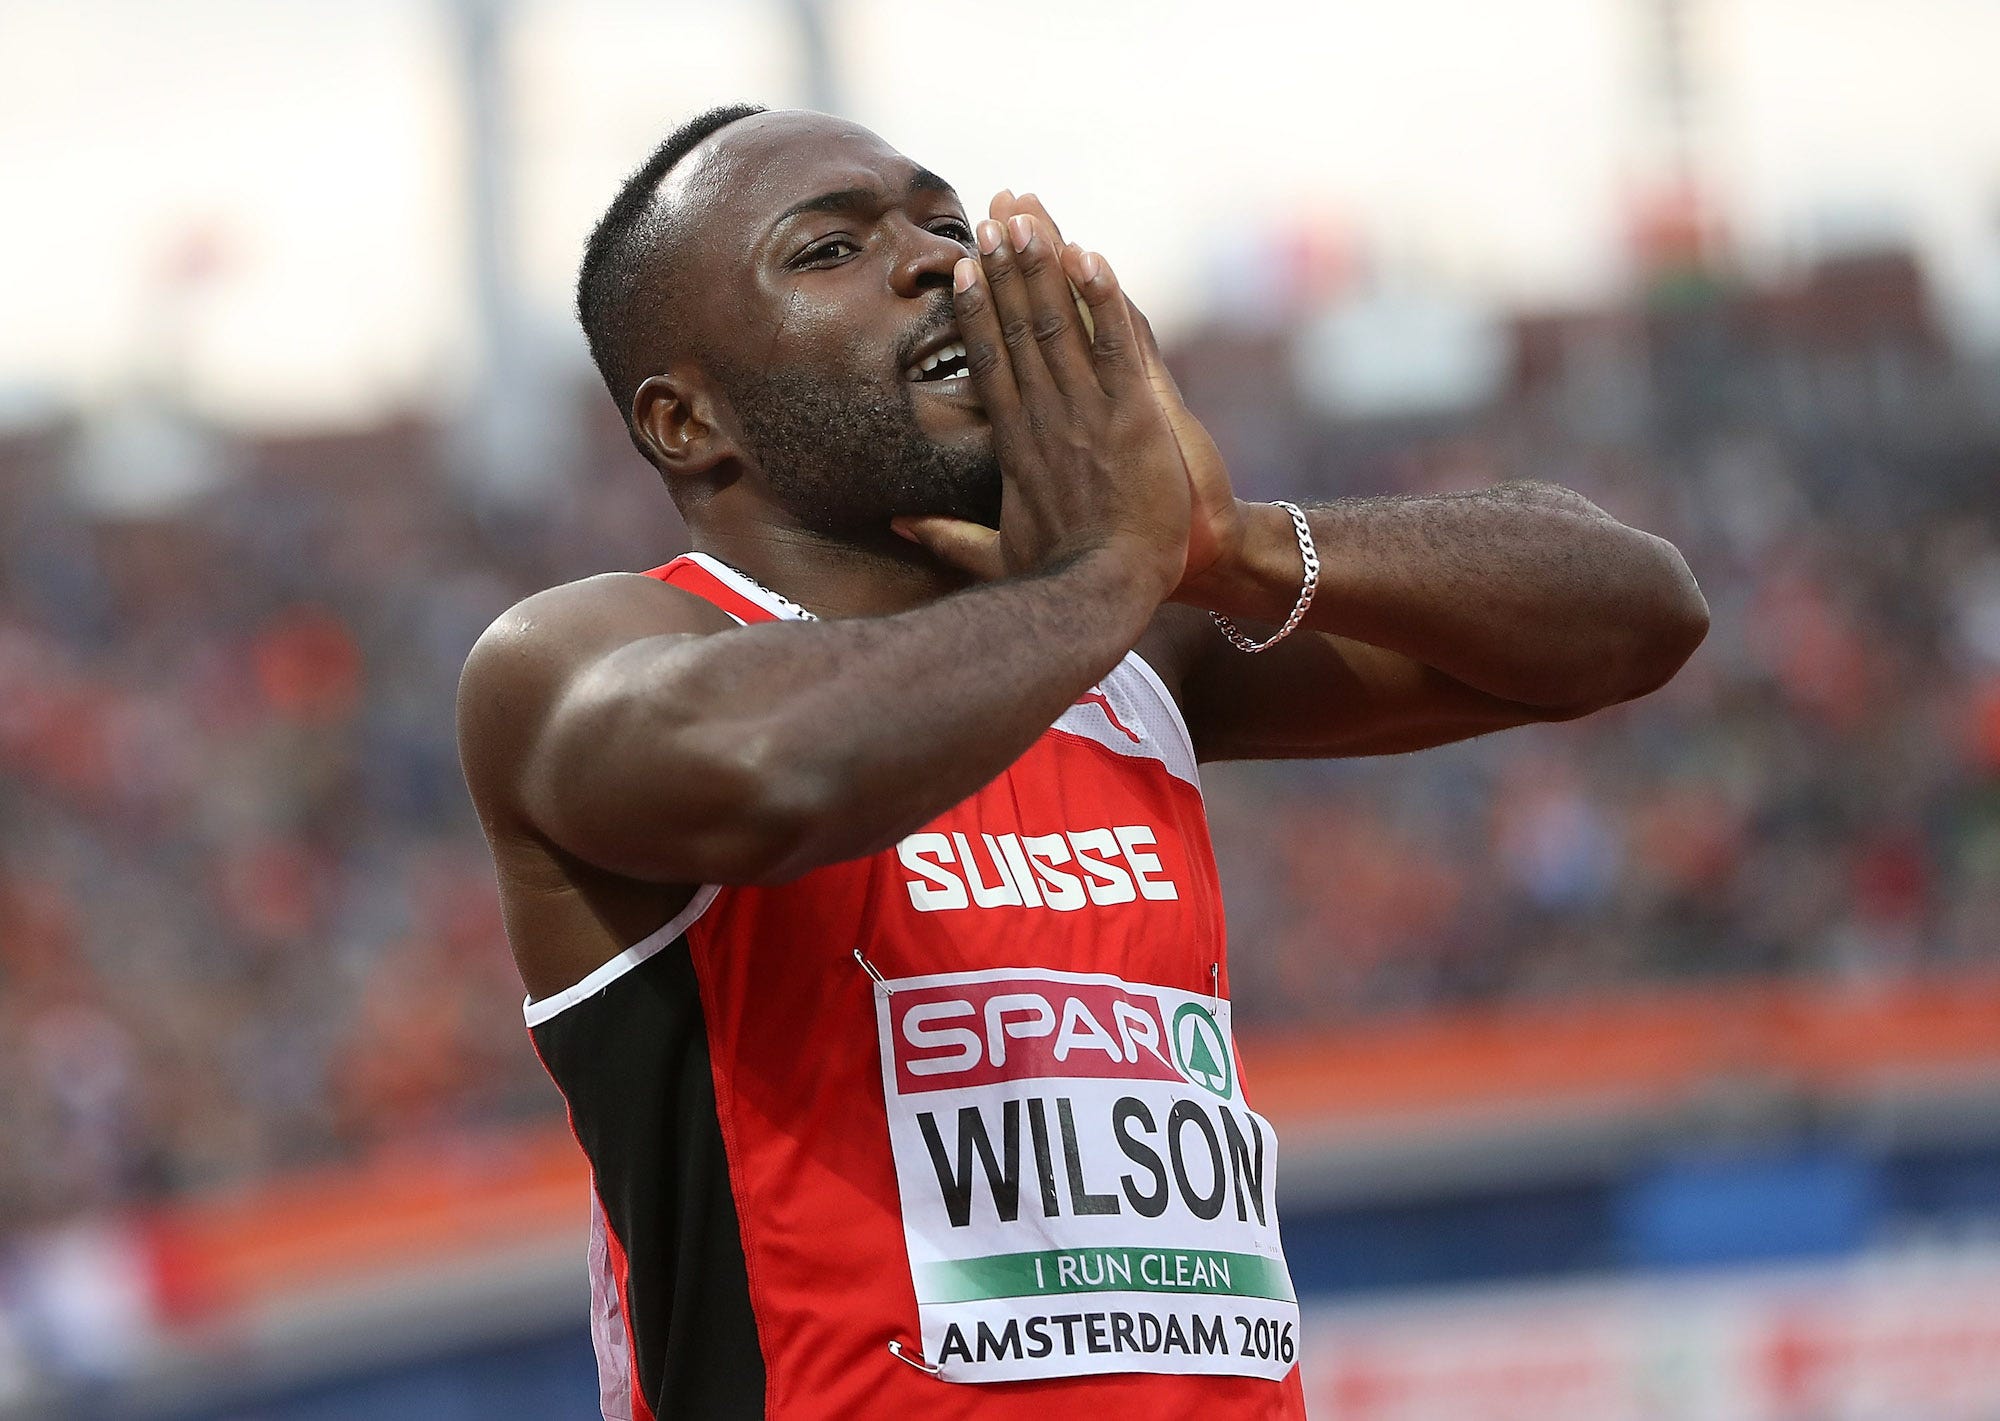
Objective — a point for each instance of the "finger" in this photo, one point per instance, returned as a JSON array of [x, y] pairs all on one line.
[[1014, 310], [986, 352], [1149, 346], [1115, 348], [1165, 387], [1006, 205], [1027, 205], [1052, 307], [970, 547], [1072, 254]]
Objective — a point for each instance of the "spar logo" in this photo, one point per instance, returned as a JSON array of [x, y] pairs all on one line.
[[978, 1033], [1203, 1051]]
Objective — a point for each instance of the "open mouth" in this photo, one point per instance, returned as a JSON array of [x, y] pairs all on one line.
[[945, 363]]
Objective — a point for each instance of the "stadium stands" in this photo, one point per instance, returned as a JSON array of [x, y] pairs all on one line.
[[247, 930]]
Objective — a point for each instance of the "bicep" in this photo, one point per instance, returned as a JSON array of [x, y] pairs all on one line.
[[575, 728], [1320, 696]]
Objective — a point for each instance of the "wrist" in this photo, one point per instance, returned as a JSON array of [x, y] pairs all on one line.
[[1140, 569], [1122, 574], [1258, 577]]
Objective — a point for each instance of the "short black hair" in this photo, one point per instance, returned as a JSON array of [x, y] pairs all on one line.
[[620, 287]]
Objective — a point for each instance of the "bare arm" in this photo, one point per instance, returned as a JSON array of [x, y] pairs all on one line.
[[1527, 591], [606, 717], [1436, 618]]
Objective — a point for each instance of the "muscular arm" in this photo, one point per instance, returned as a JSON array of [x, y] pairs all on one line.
[[612, 717], [1436, 618]]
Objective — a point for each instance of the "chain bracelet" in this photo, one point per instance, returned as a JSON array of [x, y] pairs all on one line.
[[1310, 556]]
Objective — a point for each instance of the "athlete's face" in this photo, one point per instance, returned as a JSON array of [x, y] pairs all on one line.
[[828, 258]]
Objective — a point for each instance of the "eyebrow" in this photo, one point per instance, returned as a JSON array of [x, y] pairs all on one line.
[[847, 198]]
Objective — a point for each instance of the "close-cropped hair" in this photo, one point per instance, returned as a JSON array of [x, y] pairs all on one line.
[[621, 285]]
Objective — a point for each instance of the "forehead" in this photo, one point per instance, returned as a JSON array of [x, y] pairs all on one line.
[[739, 180]]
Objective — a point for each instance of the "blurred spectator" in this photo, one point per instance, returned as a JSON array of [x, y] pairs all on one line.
[[247, 922]]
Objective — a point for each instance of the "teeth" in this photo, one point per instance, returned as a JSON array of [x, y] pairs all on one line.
[[954, 351]]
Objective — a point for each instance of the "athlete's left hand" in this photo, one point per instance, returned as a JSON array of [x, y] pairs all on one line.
[[1217, 531]]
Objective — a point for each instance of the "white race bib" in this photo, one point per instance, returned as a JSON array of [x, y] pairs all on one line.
[[1083, 1188]]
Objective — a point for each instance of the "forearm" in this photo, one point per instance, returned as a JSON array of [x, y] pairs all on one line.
[[1527, 591], [805, 744]]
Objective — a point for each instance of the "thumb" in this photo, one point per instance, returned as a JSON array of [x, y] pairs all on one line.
[[1167, 392], [1165, 388], [969, 547]]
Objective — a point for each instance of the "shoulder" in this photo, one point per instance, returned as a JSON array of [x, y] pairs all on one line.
[[565, 627], [613, 608], [524, 661]]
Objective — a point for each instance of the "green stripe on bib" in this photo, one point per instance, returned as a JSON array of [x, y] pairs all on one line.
[[1103, 1270]]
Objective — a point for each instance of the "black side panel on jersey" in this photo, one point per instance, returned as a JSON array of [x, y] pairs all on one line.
[[633, 1062]]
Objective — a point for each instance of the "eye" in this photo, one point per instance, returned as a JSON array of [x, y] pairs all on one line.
[[955, 228], [821, 253]]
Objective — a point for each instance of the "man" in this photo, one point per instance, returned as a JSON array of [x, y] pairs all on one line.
[[855, 863]]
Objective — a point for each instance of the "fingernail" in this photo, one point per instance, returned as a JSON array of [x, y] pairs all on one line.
[[964, 272], [1022, 231], [1092, 267], [988, 233]]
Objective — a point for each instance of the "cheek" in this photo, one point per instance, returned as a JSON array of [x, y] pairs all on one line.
[[775, 335], [810, 330]]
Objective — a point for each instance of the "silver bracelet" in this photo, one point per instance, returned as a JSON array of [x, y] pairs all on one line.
[[1310, 555]]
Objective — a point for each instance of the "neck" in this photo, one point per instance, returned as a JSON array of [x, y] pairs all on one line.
[[832, 577]]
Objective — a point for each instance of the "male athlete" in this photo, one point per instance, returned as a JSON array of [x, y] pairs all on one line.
[[855, 863]]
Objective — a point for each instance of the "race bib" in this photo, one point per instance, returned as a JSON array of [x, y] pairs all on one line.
[[1083, 1188]]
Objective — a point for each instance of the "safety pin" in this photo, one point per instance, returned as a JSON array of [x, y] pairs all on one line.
[[1215, 984], [880, 980], [914, 1359]]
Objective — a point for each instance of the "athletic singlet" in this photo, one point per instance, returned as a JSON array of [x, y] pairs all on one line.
[[974, 1096]]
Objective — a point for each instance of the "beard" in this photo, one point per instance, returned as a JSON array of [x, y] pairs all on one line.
[[844, 456]]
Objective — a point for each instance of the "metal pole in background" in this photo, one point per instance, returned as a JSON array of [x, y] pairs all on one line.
[[511, 441], [509, 436], [1677, 93], [822, 80]]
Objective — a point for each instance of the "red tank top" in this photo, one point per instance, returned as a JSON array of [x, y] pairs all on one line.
[[976, 1096]]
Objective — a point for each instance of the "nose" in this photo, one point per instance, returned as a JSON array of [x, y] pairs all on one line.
[[924, 261]]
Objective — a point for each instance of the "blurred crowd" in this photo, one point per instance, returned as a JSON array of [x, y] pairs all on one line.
[[247, 920], [1817, 793]]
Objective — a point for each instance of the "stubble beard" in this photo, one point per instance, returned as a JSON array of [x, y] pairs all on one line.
[[844, 457]]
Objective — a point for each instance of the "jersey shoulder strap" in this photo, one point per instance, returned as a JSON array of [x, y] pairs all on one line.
[[717, 583]]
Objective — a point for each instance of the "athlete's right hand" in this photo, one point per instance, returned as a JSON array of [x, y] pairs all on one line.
[[1088, 463]]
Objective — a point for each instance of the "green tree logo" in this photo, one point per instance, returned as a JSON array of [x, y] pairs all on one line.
[[1202, 1051]]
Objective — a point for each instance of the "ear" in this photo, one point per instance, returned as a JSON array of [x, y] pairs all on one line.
[[682, 423]]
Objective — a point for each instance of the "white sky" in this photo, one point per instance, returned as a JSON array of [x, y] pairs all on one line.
[[1485, 144]]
